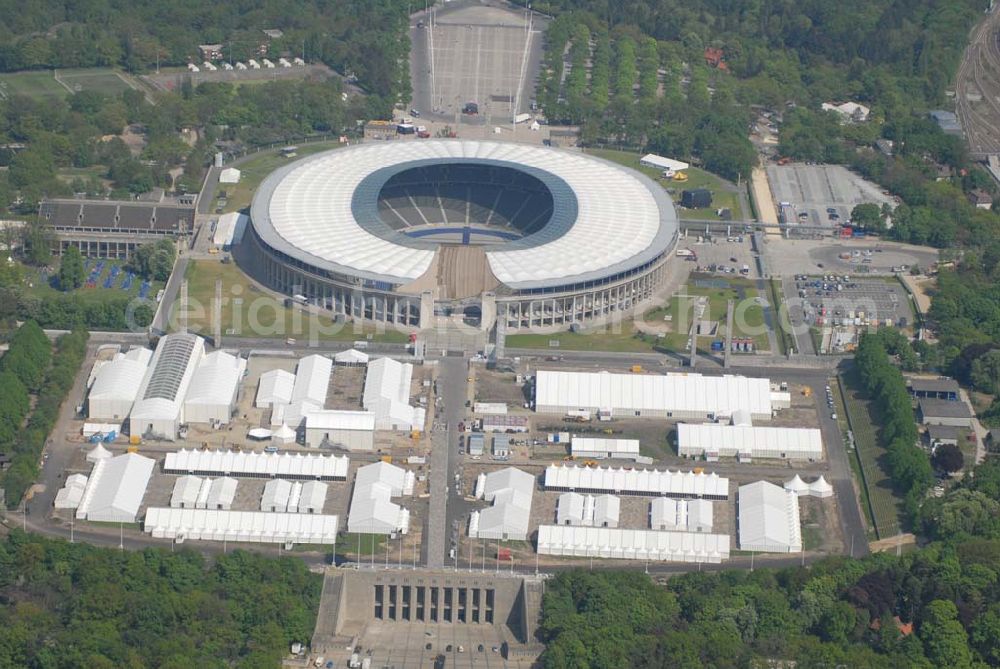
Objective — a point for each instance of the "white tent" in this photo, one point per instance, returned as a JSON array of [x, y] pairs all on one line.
[[353, 430], [229, 175], [228, 229], [216, 382], [313, 497], [590, 447], [160, 399], [572, 509], [768, 519], [116, 384], [186, 490], [240, 526], [312, 378], [372, 511], [116, 488], [221, 493], [276, 494], [275, 388], [283, 435], [607, 510], [98, 453], [632, 544], [511, 491], [713, 440], [387, 394], [652, 482], [293, 414], [257, 465], [70, 495], [661, 163], [351, 356], [797, 485], [820, 488]]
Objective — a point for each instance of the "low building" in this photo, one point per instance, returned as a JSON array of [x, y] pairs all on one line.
[[501, 446], [848, 111], [980, 199], [510, 491], [211, 397], [599, 449], [353, 430], [229, 175], [768, 519], [476, 444], [943, 412], [372, 511], [159, 404], [210, 51], [507, 424], [380, 130], [947, 121], [942, 434], [116, 383], [941, 388], [275, 388]]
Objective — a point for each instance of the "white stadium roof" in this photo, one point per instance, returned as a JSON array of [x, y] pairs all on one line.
[[631, 544], [680, 393], [116, 488], [769, 519], [241, 526], [257, 465], [759, 442], [304, 212], [638, 481]]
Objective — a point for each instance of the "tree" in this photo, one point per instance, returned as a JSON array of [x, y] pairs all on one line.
[[948, 458], [37, 245], [71, 272], [985, 372], [945, 641], [868, 216]]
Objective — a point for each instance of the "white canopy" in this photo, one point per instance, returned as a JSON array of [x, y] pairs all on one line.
[[98, 453]]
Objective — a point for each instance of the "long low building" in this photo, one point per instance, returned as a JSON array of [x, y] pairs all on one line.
[[681, 396], [599, 449], [353, 430], [714, 440], [159, 404], [647, 482], [241, 526], [302, 466], [631, 544]]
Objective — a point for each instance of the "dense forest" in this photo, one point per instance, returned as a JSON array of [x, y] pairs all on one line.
[[68, 605], [364, 37], [935, 607]]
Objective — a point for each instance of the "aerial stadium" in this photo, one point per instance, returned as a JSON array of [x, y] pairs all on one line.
[[405, 231]]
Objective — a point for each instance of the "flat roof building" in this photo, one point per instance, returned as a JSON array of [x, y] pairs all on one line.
[[644, 482], [589, 447], [682, 396], [714, 440], [944, 412], [353, 430]]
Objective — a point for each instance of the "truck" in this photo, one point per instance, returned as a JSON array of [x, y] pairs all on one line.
[[318, 662], [355, 661], [522, 118], [718, 345], [685, 253]]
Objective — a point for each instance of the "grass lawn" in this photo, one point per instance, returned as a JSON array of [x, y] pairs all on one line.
[[347, 544], [42, 283], [37, 84], [254, 170], [249, 311], [626, 341], [100, 79], [722, 197], [884, 504]]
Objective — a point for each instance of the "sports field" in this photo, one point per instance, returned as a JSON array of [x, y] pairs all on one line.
[[40, 85], [101, 80], [45, 85]]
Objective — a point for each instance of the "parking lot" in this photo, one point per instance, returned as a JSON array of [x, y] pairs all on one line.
[[724, 255], [788, 257], [481, 53], [822, 195]]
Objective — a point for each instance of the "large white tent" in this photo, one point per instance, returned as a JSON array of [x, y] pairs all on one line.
[[511, 491], [240, 526], [70, 495], [714, 440], [312, 379], [351, 357], [275, 388], [276, 495], [221, 493], [353, 430], [632, 544], [213, 391], [229, 228], [694, 515], [294, 413], [591, 447], [662, 163], [769, 519], [159, 400], [387, 395], [636, 481], [257, 465], [372, 511], [116, 488], [311, 498], [690, 396], [185, 493], [116, 384], [588, 510]]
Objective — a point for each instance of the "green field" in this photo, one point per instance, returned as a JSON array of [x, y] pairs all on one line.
[[882, 501], [722, 196], [677, 312], [249, 311], [41, 283], [38, 84], [254, 170], [102, 80]]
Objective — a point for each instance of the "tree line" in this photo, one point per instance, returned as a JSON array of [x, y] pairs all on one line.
[[32, 369], [937, 606], [66, 605]]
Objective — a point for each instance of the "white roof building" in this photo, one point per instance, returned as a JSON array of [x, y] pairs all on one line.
[[312, 497], [283, 436], [250, 464], [312, 378], [510, 490], [158, 407], [607, 511], [353, 430], [229, 175], [240, 526], [275, 388], [351, 356], [690, 396], [651, 482], [589, 447], [372, 511], [849, 110], [797, 485], [214, 387], [387, 394], [221, 493], [820, 488], [632, 544], [70, 495], [768, 519], [276, 495], [228, 228], [116, 384], [714, 440], [661, 163], [293, 414], [186, 490], [98, 453], [588, 510], [115, 489]]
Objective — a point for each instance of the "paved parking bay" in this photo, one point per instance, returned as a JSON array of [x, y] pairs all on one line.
[[822, 194], [834, 300]]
